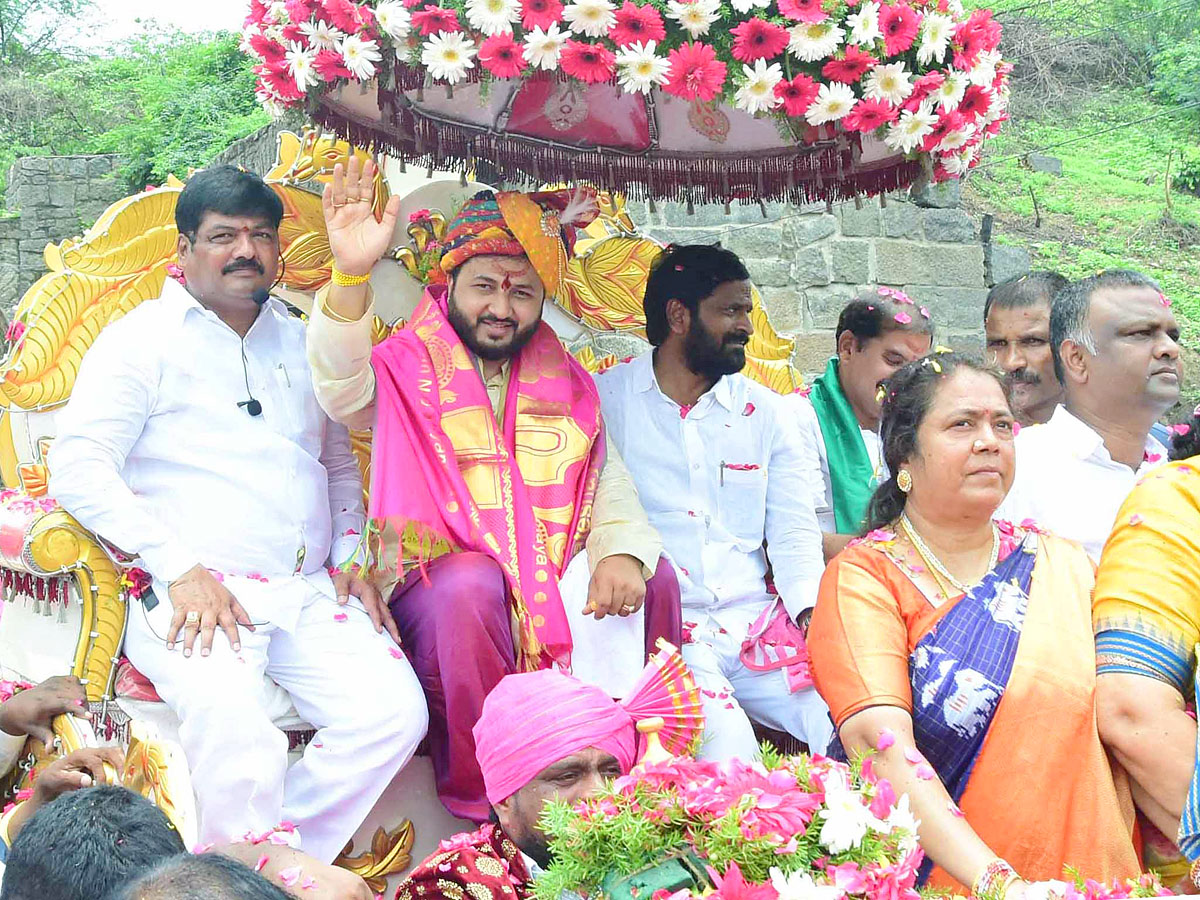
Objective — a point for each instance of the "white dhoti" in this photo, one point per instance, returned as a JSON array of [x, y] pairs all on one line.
[[734, 695], [610, 652], [351, 683]]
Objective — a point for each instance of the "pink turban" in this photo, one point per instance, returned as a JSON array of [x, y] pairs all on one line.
[[531, 720]]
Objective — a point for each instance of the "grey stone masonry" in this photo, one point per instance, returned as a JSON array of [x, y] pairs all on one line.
[[808, 262], [49, 199]]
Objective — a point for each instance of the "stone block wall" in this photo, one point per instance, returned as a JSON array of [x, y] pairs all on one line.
[[808, 262], [49, 199]]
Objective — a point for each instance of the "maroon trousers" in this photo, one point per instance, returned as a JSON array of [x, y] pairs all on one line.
[[457, 633]]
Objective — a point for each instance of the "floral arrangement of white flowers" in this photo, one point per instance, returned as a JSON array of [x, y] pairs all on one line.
[[924, 75]]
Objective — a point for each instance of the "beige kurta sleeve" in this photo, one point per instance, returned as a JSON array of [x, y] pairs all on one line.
[[339, 354], [619, 524]]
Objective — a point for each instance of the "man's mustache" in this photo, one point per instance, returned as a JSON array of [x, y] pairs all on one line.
[[496, 320], [1024, 376], [739, 340], [238, 264]]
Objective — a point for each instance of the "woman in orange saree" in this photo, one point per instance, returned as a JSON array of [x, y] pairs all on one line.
[[960, 650]]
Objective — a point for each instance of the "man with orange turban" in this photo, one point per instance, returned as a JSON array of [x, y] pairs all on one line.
[[489, 459], [572, 738]]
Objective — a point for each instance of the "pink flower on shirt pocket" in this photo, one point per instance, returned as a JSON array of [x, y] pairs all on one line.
[[742, 467], [748, 410]]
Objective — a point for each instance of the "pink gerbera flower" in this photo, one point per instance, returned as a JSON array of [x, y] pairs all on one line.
[[797, 95], [589, 63], [922, 88], [975, 102], [868, 115], [637, 25], [540, 13], [269, 50], [502, 55], [696, 73], [946, 123], [330, 65], [899, 25], [850, 68], [758, 39], [435, 20], [803, 10], [342, 14]]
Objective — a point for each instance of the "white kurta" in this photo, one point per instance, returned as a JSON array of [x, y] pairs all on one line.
[[716, 482], [1067, 483], [155, 455]]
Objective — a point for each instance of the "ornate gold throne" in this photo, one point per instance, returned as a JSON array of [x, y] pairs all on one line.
[[65, 592]]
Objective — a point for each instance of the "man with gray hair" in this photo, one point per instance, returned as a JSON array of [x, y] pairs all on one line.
[[1016, 322], [1115, 345]]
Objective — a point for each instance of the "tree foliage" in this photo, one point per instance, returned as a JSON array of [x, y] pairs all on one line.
[[164, 101]]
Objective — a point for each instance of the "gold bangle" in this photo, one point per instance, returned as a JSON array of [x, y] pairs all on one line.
[[994, 881], [345, 280]]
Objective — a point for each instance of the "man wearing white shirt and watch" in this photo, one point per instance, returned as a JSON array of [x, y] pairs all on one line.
[[721, 467], [193, 439], [1116, 351]]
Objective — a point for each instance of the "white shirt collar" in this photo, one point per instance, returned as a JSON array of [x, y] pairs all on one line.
[[1086, 442], [178, 297], [644, 379]]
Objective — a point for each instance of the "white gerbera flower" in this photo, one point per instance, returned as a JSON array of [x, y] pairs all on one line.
[[845, 819], [277, 13], [694, 17], [493, 17], [360, 56], [639, 69], [907, 134], [324, 36], [958, 163], [448, 55], [956, 8], [936, 30], [956, 139], [300, 64], [273, 33], [864, 24], [591, 17], [394, 19], [813, 42], [888, 82], [833, 101], [744, 6], [757, 94], [801, 886], [950, 94], [984, 71], [542, 48], [902, 819]]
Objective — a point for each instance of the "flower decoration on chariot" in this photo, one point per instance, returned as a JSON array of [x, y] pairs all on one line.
[[923, 78]]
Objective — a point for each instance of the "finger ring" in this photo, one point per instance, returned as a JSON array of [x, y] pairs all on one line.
[[628, 608], [339, 205], [192, 618], [356, 199]]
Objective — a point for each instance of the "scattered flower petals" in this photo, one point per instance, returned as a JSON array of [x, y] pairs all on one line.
[[396, 652], [340, 617], [914, 756], [887, 738], [954, 810], [925, 772], [1135, 519], [290, 877], [903, 318], [308, 884], [262, 863]]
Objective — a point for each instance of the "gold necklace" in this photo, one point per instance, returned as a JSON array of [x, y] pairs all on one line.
[[935, 564]]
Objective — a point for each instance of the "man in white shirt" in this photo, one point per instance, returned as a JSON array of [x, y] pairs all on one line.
[[1116, 351], [720, 466], [193, 439], [877, 333]]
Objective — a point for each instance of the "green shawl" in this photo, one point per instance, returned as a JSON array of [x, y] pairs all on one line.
[[850, 471]]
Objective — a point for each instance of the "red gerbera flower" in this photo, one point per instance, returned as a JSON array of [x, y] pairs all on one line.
[[330, 65], [803, 10], [590, 63], [975, 102], [922, 88], [540, 13], [434, 20], [797, 95], [696, 73], [501, 55], [850, 68], [298, 10], [758, 39], [342, 14], [946, 123], [899, 25], [637, 24], [293, 35], [867, 115], [980, 28]]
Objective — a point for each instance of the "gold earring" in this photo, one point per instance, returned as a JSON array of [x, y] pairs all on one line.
[[904, 481]]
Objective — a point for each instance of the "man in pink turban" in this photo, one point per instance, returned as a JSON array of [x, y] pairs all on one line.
[[545, 736]]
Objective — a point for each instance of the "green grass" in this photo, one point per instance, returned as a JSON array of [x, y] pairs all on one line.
[[1109, 208]]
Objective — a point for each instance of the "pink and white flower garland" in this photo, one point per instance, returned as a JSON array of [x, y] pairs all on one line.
[[923, 75]]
